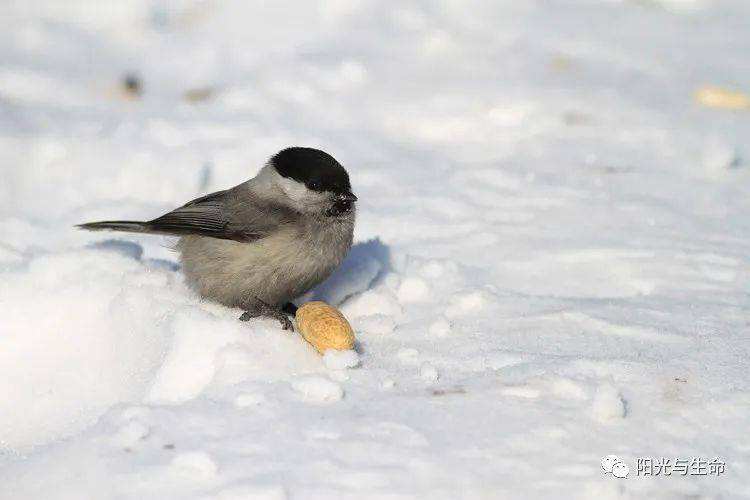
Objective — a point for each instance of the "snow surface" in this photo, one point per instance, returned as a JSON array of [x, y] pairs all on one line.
[[551, 262]]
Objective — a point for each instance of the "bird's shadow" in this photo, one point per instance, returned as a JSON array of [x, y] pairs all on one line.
[[364, 267], [133, 251], [125, 248]]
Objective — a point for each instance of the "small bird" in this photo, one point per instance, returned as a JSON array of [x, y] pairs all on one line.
[[262, 243]]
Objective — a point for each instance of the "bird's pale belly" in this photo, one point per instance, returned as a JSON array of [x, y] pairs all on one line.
[[275, 269]]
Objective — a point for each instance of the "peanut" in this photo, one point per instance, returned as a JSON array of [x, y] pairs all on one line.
[[324, 327]]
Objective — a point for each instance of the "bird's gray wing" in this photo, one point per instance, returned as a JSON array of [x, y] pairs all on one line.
[[232, 214]]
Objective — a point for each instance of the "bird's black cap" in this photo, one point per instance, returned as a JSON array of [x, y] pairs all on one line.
[[314, 168]]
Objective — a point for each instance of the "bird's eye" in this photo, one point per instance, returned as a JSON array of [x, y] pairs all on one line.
[[314, 185]]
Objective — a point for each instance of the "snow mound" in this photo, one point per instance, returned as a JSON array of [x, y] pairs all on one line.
[[89, 327], [97, 327], [317, 389]]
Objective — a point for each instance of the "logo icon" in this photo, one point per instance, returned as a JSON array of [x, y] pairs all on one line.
[[611, 464]]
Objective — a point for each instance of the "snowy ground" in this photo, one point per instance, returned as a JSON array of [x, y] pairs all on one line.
[[552, 257]]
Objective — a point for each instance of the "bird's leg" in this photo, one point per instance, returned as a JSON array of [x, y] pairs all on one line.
[[258, 308], [290, 309]]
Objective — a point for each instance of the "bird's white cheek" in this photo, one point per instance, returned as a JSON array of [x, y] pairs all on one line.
[[294, 190], [302, 198]]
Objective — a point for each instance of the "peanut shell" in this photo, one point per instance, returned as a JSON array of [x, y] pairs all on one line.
[[324, 327]]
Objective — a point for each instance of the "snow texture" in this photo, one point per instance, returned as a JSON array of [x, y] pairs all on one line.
[[551, 258]]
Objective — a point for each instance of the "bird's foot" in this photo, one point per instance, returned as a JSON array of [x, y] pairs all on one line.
[[260, 309]]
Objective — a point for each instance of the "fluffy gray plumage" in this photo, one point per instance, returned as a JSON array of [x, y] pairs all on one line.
[[266, 241]]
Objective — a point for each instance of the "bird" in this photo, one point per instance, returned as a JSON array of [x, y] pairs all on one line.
[[259, 245]]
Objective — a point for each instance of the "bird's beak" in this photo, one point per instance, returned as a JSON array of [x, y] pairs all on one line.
[[347, 196], [343, 203]]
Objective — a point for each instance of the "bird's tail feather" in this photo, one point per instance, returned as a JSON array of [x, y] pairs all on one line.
[[116, 225]]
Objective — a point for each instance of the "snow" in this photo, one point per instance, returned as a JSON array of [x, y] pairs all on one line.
[[428, 373], [317, 389], [607, 404], [195, 464], [551, 258], [338, 360]]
